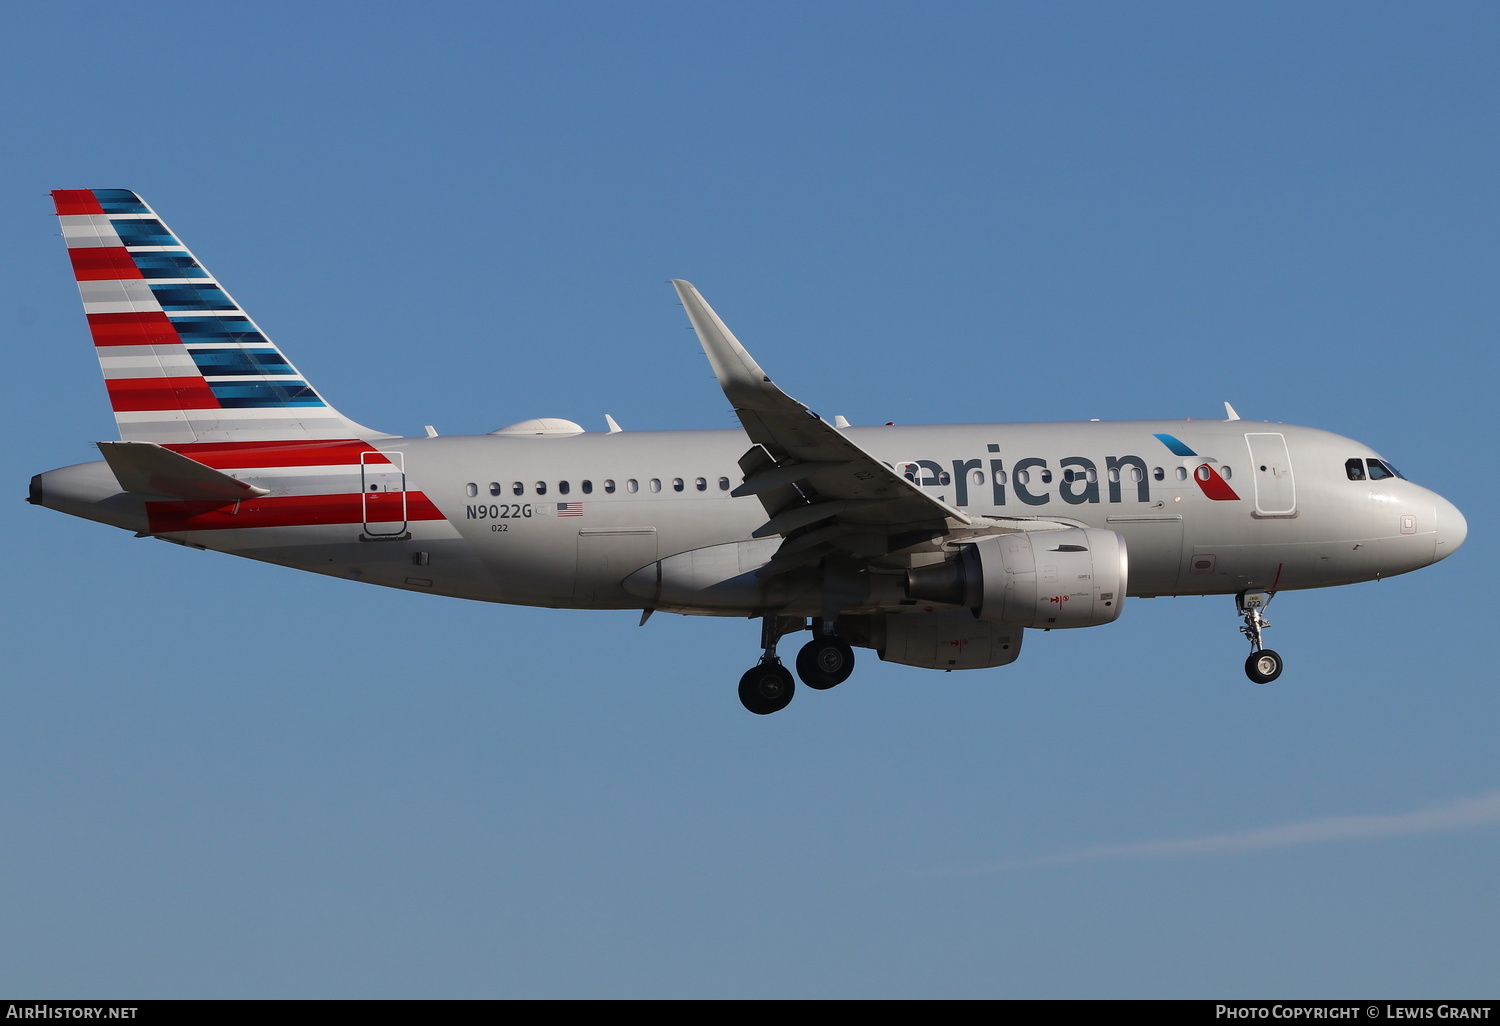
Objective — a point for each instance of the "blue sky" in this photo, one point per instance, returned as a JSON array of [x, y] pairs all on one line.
[[228, 779]]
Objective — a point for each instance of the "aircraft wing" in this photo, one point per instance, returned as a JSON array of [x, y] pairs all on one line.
[[796, 447], [819, 488]]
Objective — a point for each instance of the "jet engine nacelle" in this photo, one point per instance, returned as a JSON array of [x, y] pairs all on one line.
[[1073, 577], [947, 640]]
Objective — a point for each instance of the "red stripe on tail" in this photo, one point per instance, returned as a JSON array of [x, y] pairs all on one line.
[[103, 263], [279, 511], [132, 329], [76, 201], [234, 455], [129, 395]]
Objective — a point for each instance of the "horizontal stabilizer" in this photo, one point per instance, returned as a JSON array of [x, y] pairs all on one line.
[[150, 469]]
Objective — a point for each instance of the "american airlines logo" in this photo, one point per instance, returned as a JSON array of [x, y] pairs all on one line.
[[1078, 480]]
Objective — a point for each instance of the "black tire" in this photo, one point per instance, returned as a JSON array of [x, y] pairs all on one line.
[[766, 688], [1263, 667], [825, 662]]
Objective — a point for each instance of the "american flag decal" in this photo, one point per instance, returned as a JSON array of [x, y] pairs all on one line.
[[570, 509]]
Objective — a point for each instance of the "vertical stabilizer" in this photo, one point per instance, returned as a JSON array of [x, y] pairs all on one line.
[[181, 361]]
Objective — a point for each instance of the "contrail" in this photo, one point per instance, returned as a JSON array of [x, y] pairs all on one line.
[[1479, 810]]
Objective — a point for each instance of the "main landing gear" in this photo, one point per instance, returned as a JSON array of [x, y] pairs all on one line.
[[824, 662], [1264, 665]]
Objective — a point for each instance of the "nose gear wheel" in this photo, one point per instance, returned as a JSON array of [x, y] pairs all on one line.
[[1264, 665]]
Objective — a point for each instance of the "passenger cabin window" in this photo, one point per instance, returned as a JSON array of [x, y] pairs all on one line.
[[587, 486], [495, 488], [518, 488], [1159, 474], [723, 484], [609, 485], [1226, 473], [472, 489], [632, 485], [562, 488], [1182, 473], [541, 487], [676, 484], [701, 484], [656, 484]]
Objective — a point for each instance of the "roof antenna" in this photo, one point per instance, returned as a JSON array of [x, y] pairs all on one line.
[[1230, 411], [614, 428]]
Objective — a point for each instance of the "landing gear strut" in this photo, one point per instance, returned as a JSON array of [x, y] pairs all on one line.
[[824, 662], [767, 687], [1264, 665]]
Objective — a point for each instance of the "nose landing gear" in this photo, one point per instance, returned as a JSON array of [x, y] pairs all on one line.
[[1264, 665]]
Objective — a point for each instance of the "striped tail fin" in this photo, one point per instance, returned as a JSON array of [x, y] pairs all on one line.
[[182, 362]]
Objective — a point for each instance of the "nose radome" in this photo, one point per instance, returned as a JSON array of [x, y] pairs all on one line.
[[1452, 529]]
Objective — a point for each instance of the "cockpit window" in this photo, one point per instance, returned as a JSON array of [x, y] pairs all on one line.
[[1379, 470]]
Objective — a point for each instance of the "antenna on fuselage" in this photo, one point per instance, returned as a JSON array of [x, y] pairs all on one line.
[[1230, 414], [614, 428]]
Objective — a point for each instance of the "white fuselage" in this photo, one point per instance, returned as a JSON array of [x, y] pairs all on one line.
[[564, 521]]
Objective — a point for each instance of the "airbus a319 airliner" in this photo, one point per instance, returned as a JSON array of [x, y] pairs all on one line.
[[935, 546]]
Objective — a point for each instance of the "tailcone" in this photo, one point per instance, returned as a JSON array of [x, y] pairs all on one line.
[[90, 491]]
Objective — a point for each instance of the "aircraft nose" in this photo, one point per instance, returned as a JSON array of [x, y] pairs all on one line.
[[1452, 528]]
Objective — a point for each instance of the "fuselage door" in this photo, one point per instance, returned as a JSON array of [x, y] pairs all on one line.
[[1275, 491], [383, 493]]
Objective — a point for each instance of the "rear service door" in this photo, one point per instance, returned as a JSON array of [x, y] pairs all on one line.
[[383, 493]]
